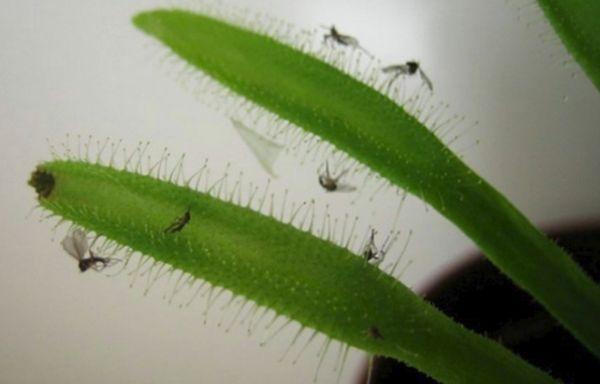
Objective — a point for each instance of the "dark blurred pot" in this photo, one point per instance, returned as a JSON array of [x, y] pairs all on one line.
[[477, 295]]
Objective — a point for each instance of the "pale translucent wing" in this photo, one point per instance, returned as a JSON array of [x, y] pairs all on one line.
[[349, 40], [71, 246], [343, 187], [81, 241], [99, 267], [265, 150], [390, 69], [426, 79], [395, 68], [68, 244], [353, 42]]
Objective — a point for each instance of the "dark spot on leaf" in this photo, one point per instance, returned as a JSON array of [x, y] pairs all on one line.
[[42, 181]]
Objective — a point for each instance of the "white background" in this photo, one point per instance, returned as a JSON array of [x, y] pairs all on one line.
[[81, 68]]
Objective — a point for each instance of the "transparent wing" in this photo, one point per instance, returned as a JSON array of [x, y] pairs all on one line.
[[266, 151], [349, 40], [395, 68], [426, 79], [75, 244], [68, 244], [344, 187], [100, 266], [81, 241], [353, 42], [389, 69]]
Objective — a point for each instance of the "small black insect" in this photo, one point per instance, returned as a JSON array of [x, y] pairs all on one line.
[[97, 263], [332, 184], [370, 251], [345, 40], [374, 333], [76, 245], [179, 223], [409, 68], [373, 253]]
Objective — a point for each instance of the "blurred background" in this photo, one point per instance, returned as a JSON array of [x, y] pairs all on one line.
[[81, 68]]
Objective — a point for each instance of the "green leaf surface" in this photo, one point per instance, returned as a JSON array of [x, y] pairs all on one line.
[[577, 23], [379, 133], [315, 282]]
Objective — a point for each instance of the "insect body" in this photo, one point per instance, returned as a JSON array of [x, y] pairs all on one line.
[[95, 262], [374, 333], [76, 245], [344, 40], [409, 68], [331, 184], [371, 252], [179, 223]]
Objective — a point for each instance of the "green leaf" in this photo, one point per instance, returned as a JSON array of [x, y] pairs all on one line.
[[379, 133], [320, 284], [577, 23]]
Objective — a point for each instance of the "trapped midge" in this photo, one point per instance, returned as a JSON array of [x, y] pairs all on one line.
[[76, 245]]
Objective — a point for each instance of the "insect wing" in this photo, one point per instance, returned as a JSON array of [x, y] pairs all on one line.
[[344, 187], [265, 150], [401, 69], [349, 40], [391, 69], [102, 263], [75, 244]]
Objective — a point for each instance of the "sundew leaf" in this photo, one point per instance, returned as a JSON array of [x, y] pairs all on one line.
[[376, 131], [577, 24], [315, 282]]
